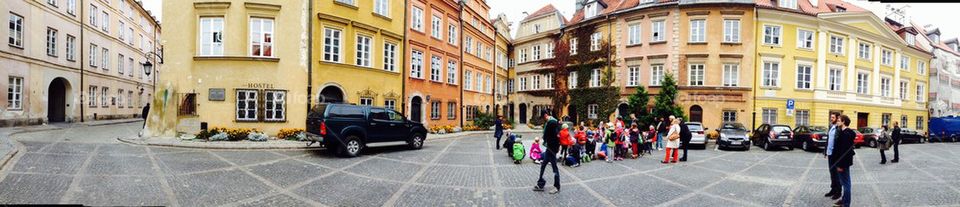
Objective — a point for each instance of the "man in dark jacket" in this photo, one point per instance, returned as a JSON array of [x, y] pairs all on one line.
[[498, 130], [843, 155], [662, 130], [550, 131], [896, 142], [685, 137]]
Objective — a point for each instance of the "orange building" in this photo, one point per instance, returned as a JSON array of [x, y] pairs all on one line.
[[432, 83], [478, 66]]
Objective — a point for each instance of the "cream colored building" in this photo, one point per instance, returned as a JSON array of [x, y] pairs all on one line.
[[76, 60], [534, 43]]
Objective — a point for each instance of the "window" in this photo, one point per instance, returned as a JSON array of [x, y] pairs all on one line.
[[698, 30], [885, 119], [536, 52], [904, 63], [863, 83], [130, 99], [16, 31], [51, 42], [549, 80], [595, 42], [903, 121], [71, 47], [105, 25], [436, 64], [920, 93], [803, 117], [468, 80], [836, 45], [435, 110], [382, 7], [864, 52], [15, 93], [390, 57], [467, 44], [93, 55], [572, 80], [792, 4], [452, 34], [93, 15], [130, 63], [106, 59], [903, 90], [261, 37], [804, 76], [911, 39], [595, 78], [656, 74], [834, 79], [479, 82], [72, 7], [919, 123], [246, 105], [549, 50], [211, 36], [886, 57], [92, 97], [350, 2], [452, 72], [489, 83], [696, 74], [731, 75], [120, 59], [573, 46], [331, 44], [536, 28], [657, 31], [634, 34], [731, 30], [633, 74], [119, 98], [435, 27], [805, 39], [771, 34], [390, 104], [885, 86], [363, 51], [921, 67], [416, 64], [770, 116], [592, 111], [523, 84], [416, 20], [536, 82], [451, 110], [120, 31], [590, 10], [771, 74], [523, 55], [729, 115], [366, 101], [103, 97], [275, 105]]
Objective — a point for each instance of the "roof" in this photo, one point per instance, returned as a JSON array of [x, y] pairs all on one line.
[[805, 7], [546, 10], [628, 4], [942, 45], [611, 6]]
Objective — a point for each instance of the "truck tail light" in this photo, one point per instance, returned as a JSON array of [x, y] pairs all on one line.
[[323, 129]]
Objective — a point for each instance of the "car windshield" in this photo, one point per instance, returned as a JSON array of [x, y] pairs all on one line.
[[780, 129], [733, 126], [695, 127], [818, 129]]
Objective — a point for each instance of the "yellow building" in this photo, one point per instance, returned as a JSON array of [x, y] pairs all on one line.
[[358, 52], [836, 57], [235, 64]]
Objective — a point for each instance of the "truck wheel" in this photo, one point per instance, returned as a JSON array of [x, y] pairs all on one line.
[[351, 146], [416, 141]]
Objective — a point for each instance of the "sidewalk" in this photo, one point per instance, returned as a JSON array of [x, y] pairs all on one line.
[[8, 147]]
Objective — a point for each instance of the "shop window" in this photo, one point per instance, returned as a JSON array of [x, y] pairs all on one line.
[[247, 105], [275, 105]]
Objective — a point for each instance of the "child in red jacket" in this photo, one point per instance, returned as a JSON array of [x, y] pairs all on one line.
[[565, 141]]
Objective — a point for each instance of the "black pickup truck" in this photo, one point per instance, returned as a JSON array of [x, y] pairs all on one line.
[[347, 129]]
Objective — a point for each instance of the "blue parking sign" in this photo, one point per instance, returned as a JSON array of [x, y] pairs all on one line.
[[790, 103]]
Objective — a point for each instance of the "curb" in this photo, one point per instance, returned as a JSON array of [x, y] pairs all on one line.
[[182, 144], [112, 123]]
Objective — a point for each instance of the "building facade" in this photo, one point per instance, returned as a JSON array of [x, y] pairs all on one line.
[[503, 65], [478, 61], [74, 60], [534, 42], [646, 46], [433, 44], [944, 72]]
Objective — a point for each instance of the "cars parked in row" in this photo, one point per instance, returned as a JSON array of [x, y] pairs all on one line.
[[774, 136], [911, 136], [733, 135], [698, 138], [870, 136], [347, 129]]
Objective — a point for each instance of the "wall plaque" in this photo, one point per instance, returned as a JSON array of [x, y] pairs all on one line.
[[217, 94]]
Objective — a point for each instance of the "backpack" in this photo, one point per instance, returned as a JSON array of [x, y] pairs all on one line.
[[518, 151]]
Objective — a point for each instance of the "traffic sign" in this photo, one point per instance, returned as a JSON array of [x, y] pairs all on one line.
[[790, 106]]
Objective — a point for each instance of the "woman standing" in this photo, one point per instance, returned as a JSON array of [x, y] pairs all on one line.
[[673, 141], [498, 130], [883, 141]]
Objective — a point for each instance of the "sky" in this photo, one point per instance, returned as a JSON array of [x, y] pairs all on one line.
[[155, 8], [515, 8]]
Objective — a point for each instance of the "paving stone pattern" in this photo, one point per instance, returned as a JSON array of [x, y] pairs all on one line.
[[86, 165]]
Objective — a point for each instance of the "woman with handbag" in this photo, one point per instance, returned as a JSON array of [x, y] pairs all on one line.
[[673, 141], [884, 145]]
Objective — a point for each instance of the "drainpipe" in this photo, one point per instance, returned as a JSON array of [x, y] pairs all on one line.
[[461, 2], [403, 61], [82, 97], [309, 54], [753, 124]]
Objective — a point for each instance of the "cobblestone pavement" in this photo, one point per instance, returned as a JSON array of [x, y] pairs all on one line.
[[87, 165]]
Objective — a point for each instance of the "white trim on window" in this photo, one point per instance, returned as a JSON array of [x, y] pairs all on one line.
[[210, 36], [332, 45], [363, 51], [805, 39], [731, 30], [261, 37], [731, 75], [275, 105], [416, 64], [246, 105], [772, 34], [14, 93]]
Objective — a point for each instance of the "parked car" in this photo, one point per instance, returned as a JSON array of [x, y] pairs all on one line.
[[811, 138], [859, 140], [732, 135], [773, 136], [911, 136], [870, 136], [698, 138], [348, 129]]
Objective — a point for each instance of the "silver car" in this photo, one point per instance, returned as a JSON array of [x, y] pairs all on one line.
[[698, 138]]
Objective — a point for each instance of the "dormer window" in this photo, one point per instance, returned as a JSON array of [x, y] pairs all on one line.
[[590, 10], [790, 4], [841, 9], [536, 28], [911, 39], [935, 38]]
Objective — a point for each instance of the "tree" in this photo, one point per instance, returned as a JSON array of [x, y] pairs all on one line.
[[638, 105], [666, 101]]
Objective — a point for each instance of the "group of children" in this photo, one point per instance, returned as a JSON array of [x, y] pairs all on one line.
[[608, 141]]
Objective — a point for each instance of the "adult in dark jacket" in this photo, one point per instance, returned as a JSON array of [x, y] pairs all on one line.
[[550, 131], [498, 130], [896, 142], [843, 155], [685, 137], [662, 130], [832, 135], [144, 113]]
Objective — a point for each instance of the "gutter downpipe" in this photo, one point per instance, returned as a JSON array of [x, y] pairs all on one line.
[[403, 61], [461, 107], [309, 54]]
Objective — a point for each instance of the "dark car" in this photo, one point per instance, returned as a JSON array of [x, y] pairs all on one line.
[[773, 136], [810, 138], [347, 129], [732, 135], [870, 136], [911, 136]]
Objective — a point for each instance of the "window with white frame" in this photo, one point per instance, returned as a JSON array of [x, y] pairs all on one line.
[[864, 52], [211, 36], [590, 10], [769, 116], [886, 57], [729, 115], [468, 80], [103, 97], [792, 4], [903, 121], [382, 7], [885, 119], [106, 59], [595, 41], [863, 83], [14, 93], [536, 52], [16, 30], [549, 80], [523, 55], [467, 43], [921, 93], [919, 123], [247, 105], [72, 7], [120, 33], [92, 97], [536, 82], [51, 42], [523, 84], [130, 63], [572, 80], [904, 62], [130, 99], [332, 42], [105, 22], [390, 104], [696, 74], [489, 84], [921, 67], [803, 117], [885, 84], [435, 110], [549, 50], [452, 72], [771, 34], [261, 37], [595, 78], [573, 46], [366, 101], [804, 76], [436, 65], [71, 47], [451, 110], [479, 82], [731, 30], [416, 19], [120, 98], [834, 79], [416, 64], [452, 34], [93, 55], [94, 11], [436, 27], [904, 86], [731, 75], [390, 57], [805, 39], [911, 39], [836, 44], [633, 76], [698, 30], [656, 74], [657, 31], [771, 74], [363, 51], [350, 2], [592, 111], [536, 28], [120, 67], [633, 34]]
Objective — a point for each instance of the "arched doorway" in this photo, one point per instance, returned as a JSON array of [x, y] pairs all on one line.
[[696, 114], [57, 100], [572, 112], [623, 110], [511, 112], [416, 109], [331, 94], [523, 113]]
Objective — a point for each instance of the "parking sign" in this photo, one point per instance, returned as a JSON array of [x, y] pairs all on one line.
[[790, 105]]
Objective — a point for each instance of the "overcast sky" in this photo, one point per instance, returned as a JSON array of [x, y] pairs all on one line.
[[155, 8]]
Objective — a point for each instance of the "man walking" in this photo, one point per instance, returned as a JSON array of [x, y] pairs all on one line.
[[843, 154], [498, 130], [896, 142], [834, 179], [662, 129], [685, 137], [550, 131]]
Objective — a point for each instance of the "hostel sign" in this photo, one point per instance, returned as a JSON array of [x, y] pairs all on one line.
[[259, 85]]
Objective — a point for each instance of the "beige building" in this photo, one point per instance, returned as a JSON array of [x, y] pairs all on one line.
[[76, 60], [534, 43]]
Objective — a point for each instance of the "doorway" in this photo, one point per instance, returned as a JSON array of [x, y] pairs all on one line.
[[696, 114], [862, 119], [416, 109], [57, 100], [523, 113], [623, 110], [331, 94]]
